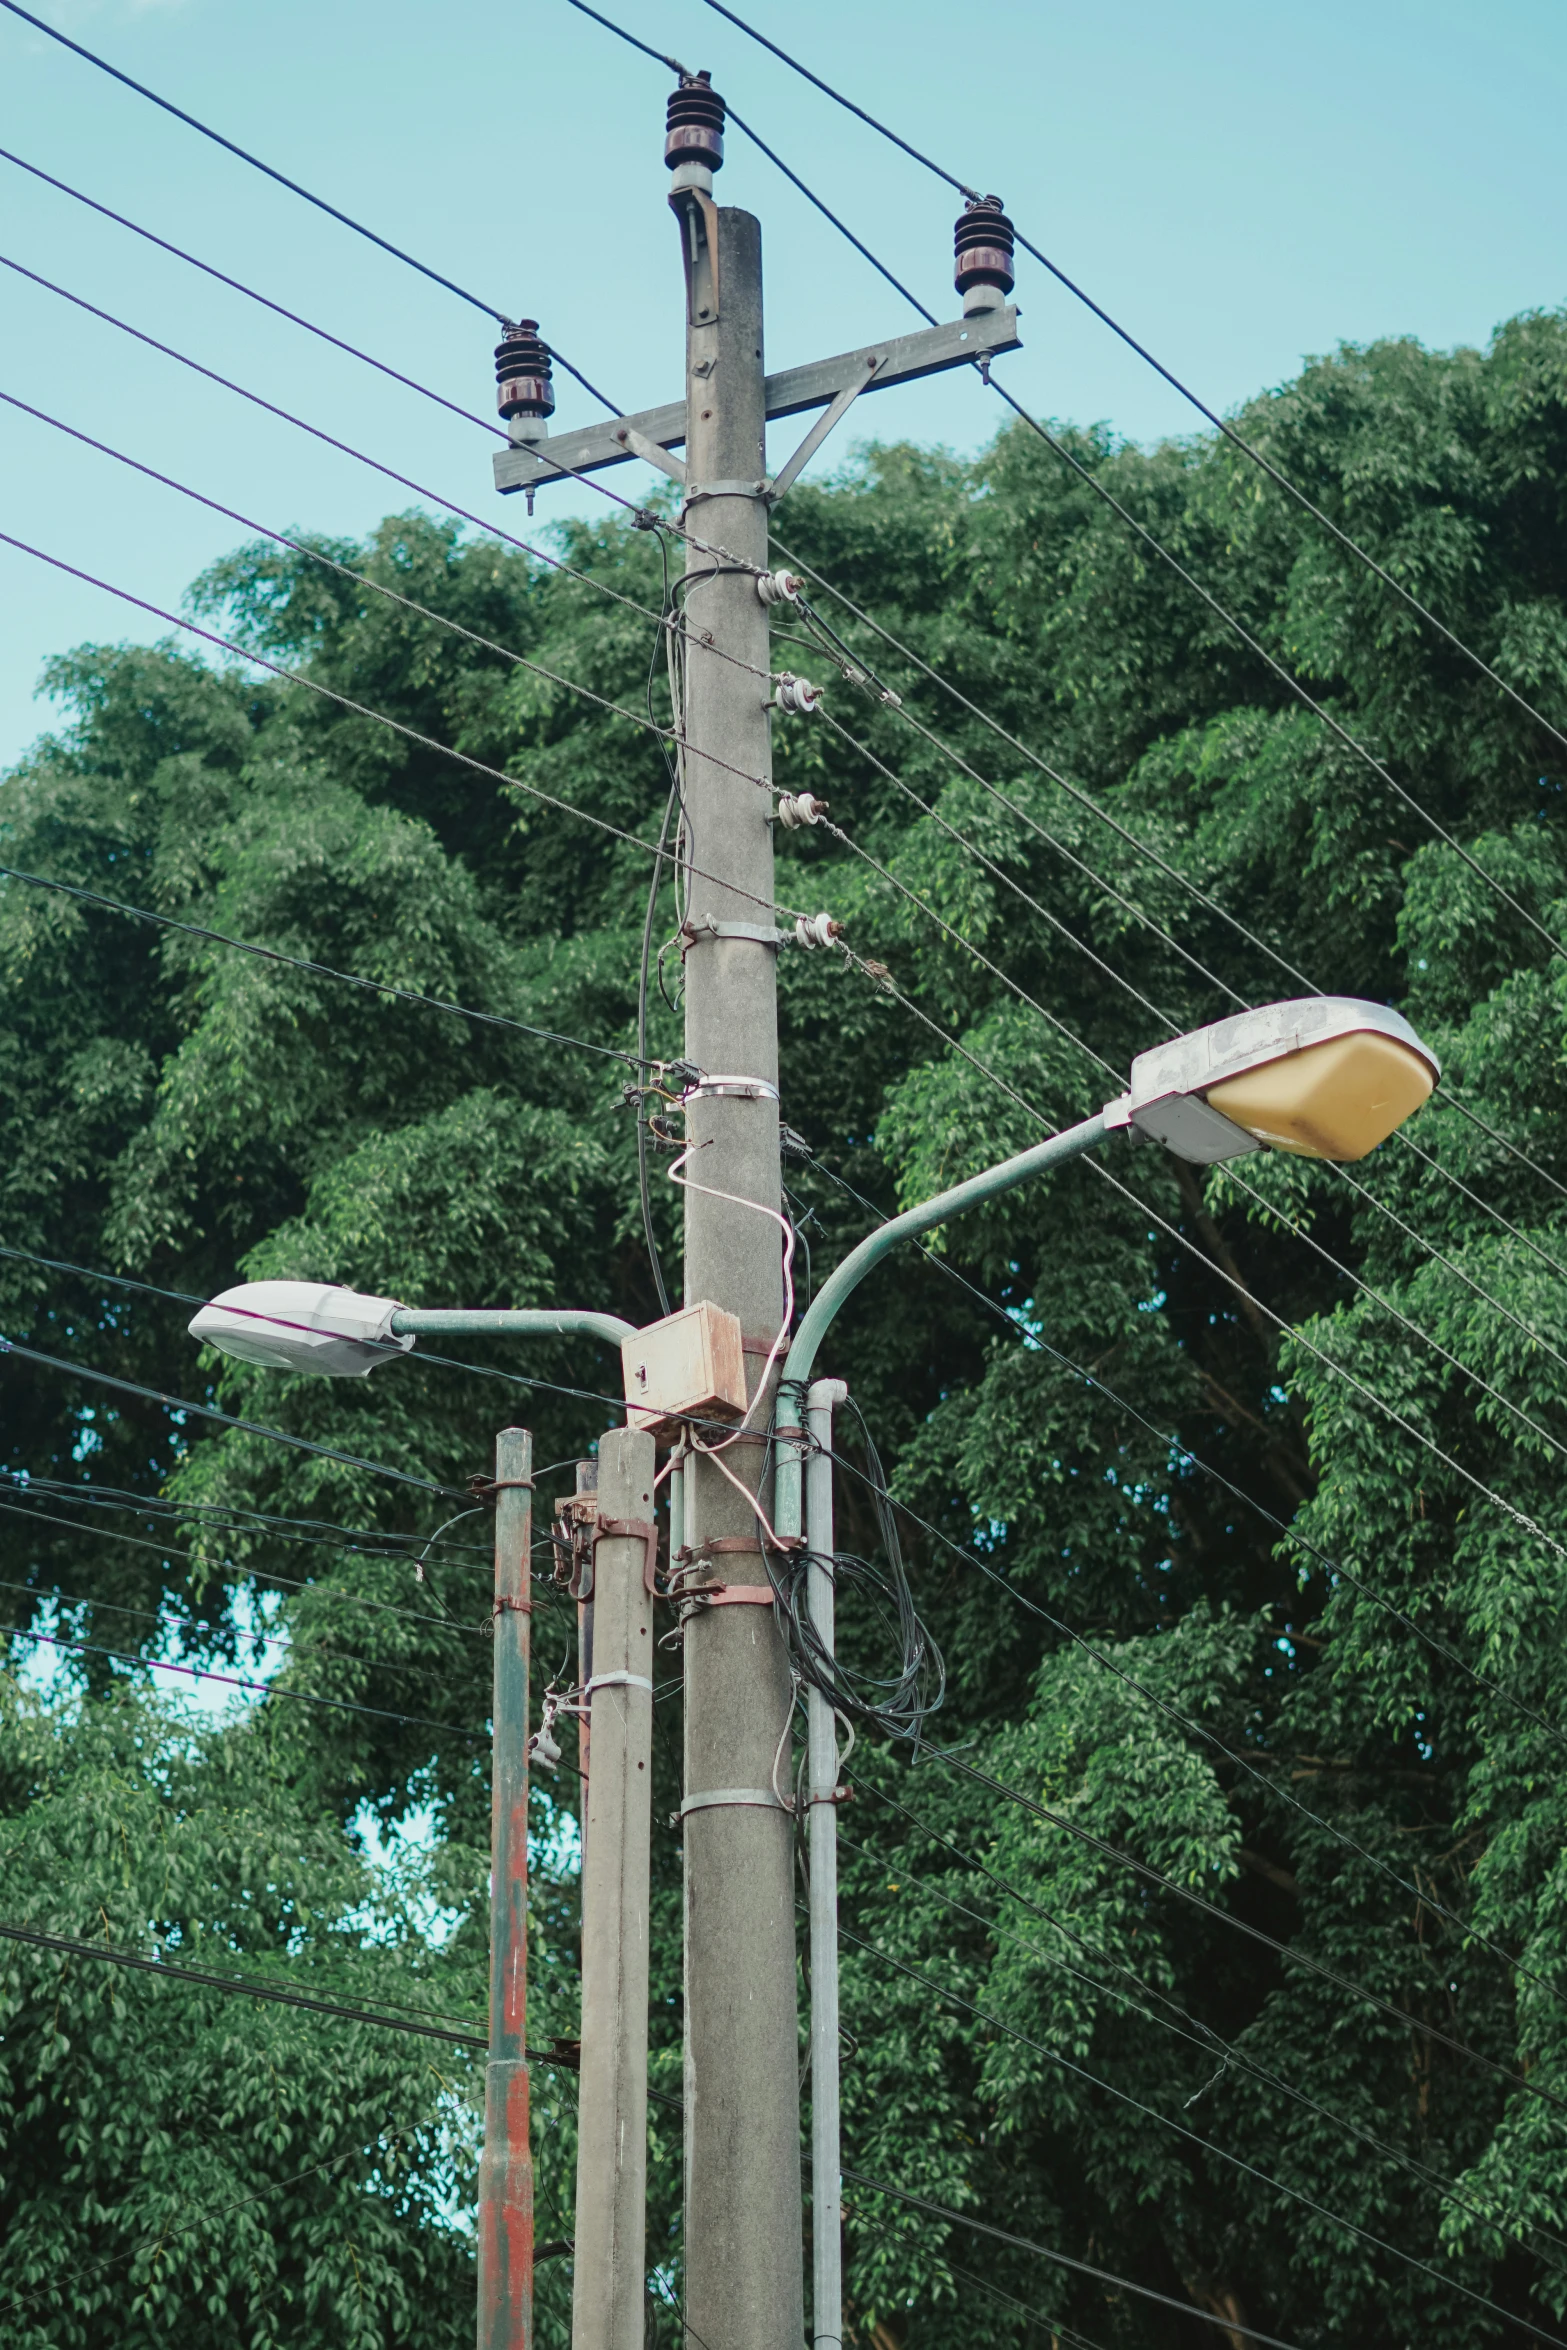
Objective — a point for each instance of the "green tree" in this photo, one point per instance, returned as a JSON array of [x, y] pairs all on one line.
[[1190, 1467]]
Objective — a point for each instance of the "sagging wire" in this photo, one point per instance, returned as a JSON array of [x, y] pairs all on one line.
[[898, 1705]]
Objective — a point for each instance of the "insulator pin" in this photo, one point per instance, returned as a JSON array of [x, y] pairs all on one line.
[[796, 697], [817, 930], [522, 372], [694, 120], [797, 808], [982, 245], [779, 587]]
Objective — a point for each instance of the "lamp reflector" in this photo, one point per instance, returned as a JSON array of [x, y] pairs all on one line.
[[1335, 1100]]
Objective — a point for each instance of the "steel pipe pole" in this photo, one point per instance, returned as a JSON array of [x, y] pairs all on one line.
[[506, 2165]]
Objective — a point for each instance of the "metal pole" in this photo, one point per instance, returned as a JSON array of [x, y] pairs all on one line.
[[506, 2165], [608, 2303], [822, 1758], [744, 2289]]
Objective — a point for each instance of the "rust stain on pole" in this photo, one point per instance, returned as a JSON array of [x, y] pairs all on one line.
[[506, 2166]]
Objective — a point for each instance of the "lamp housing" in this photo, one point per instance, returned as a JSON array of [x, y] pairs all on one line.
[[1324, 1077], [302, 1326]]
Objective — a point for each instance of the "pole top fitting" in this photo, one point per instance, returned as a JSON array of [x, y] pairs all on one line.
[[694, 131], [982, 244]]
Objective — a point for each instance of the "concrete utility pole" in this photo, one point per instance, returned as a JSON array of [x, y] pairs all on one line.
[[609, 2288], [743, 2238], [506, 2165], [742, 2118]]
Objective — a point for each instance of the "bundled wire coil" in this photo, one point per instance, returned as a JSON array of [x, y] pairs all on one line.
[[899, 1703]]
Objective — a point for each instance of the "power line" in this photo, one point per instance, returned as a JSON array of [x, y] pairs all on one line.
[[1169, 1019], [315, 554], [1237, 440], [293, 186], [176, 1403], [1194, 1728], [1176, 1449], [1286, 677], [1198, 2035], [237, 285], [1297, 1336], [167, 1553], [846, 840], [262, 1637], [247, 1986], [1181, 2130], [158, 1664], [1053, 2326], [246, 946], [396, 725], [1102, 2276], [1449, 1096], [641, 515], [240, 1518], [1286, 1951]]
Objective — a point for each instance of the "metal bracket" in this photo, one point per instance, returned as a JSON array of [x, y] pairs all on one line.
[[641, 446], [640, 1530], [723, 1798], [904, 359], [789, 473], [698, 247]]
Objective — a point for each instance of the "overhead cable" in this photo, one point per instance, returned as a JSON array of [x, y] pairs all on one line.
[[1424, 1898], [1237, 440], [168, 1554], [202, 1411], [1177, 1451], [1179, 2021], [388, 472], [158, 1664], [411, 734], [238, 286], [883, 982], [1286, 677], [1449, 1096], [207, 132], [260, 1637], [246, 1986], [237, 1518], [1223, 2326], [1170, 1021], [1286, 1951], [315, 554], [246, 946], [1193, 2137]]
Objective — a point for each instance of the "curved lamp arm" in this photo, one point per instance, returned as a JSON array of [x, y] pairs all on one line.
[[519, 1322], [830, 1297]]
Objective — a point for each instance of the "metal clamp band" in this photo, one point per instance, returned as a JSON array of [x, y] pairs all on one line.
[[746, 1089], [761, 934], [722, 1798], [616, 1681], [733, 1594], [724, 489]]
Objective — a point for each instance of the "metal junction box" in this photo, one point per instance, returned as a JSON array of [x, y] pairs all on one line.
[[691, 1364]]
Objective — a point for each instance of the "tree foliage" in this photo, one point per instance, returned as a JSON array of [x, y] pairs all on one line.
[[1237, 1497]]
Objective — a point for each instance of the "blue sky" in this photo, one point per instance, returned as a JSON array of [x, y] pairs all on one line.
[[1241, 186]]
